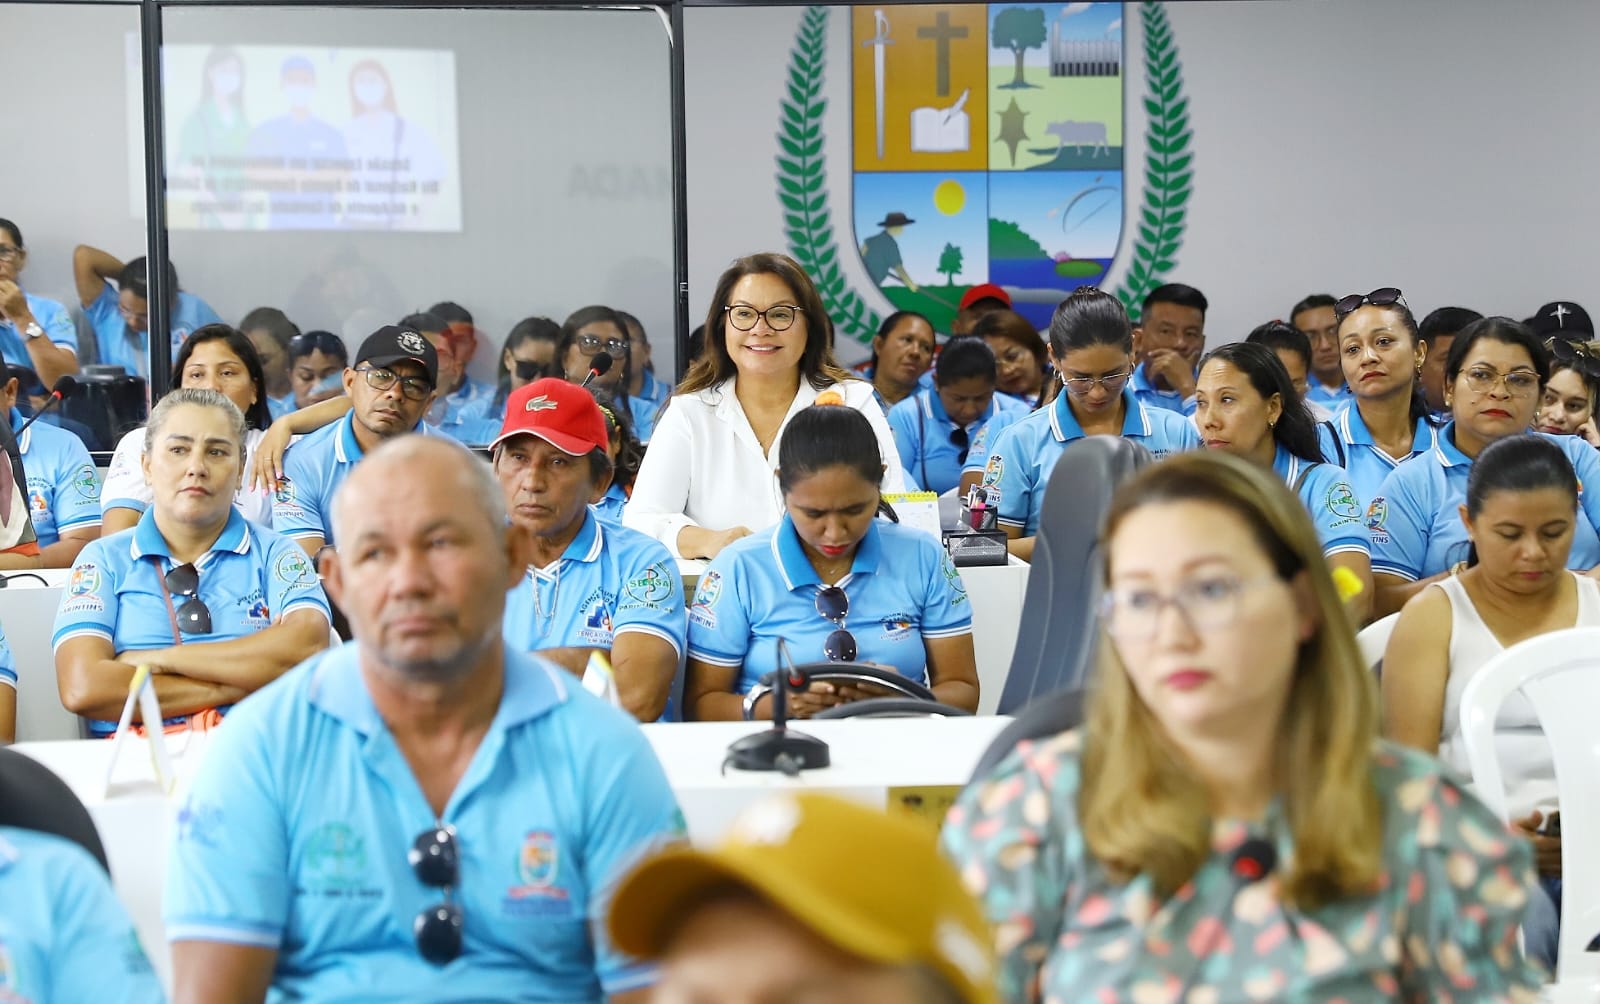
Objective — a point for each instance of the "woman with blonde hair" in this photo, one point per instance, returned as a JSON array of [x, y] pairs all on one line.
[[1227, 822]]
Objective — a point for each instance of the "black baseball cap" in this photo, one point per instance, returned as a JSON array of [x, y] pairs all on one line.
[[392, 343], [1563, 319]]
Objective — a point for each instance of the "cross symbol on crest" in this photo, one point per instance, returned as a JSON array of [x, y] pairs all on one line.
[[1561, 312]]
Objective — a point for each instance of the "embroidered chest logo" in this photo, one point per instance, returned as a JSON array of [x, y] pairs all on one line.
[[538, 867]]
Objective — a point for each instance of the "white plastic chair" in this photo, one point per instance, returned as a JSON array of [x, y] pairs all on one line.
[[1374, 638], [1559, 673]]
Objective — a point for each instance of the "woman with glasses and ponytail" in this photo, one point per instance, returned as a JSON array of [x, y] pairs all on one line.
[[1495, 373], [1226, 825], [707, 479], [216, 605], [1091, 347], [1246, 405], [1387, 420], [834, 582]]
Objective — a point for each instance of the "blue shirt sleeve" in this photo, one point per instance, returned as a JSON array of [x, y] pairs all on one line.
[[76, 498], [946, 609], [228, 861], [1402, 522], [903, 419], [203, 314], [97, 953], [8, 663], [1586, 465], [103, 313], [1008, 470], [719, 618], [978, 454], [1336, 511], [55, 321], [89, 601], [634, 814], [292, 583], [297, 505], [651, 600]]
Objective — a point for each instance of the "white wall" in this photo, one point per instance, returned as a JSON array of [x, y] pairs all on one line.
[[1442, 146]]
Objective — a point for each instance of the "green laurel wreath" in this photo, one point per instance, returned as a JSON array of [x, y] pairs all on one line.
[[802, 182], [1168, 173]]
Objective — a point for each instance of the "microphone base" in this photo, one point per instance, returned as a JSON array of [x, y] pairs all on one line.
[[780, 750]]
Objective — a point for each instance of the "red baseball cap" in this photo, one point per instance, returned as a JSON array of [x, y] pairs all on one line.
[[562, 414], [985, 291]]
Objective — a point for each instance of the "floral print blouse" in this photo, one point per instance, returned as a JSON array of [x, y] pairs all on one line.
[[1442, 926]]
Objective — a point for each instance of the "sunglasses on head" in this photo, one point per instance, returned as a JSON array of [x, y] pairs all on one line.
[[436, 861], [834, 606], [1384, 296], [1576, 354], [316, 341]]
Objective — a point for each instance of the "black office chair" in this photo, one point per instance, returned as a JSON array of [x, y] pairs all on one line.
[[1056, 638], [32, 798]]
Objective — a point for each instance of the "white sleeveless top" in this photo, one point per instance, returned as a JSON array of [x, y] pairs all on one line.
[[1524, 752]]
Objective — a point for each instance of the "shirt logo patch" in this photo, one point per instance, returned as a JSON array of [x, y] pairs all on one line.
[[85, 580], [538, 866], [200, 823], [1377, 512], [540, 403], [536, 863], [958, 585], [8, 976], [653, 586], [1341, 502], [86, 483], [898, 627], [703, 611], [334, 859], [596, 612], [293, 569], [257, 613], [993, 471]]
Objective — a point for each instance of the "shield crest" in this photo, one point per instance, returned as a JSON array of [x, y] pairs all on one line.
[[987, 148]]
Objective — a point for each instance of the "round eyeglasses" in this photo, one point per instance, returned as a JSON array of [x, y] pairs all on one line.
[[779, 317]]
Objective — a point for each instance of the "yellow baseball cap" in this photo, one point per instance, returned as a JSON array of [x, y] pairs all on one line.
[[869, 882]]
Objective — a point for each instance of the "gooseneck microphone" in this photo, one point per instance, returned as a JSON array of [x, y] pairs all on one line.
[[778, 748], [599, 366], [1252, 861], [65, 387]]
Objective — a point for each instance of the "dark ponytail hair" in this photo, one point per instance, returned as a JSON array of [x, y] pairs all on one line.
[[1521, 463], [824, 436], [1295, 429], [1419, 401], [1090, 317]]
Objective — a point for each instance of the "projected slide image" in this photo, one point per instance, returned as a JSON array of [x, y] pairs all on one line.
[[273, 137]]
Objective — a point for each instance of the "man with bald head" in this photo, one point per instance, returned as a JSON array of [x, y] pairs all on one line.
[[420, 814]]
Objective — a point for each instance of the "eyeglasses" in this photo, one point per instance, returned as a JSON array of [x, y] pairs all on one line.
[[1112, 382], [779, 317], [1382, 297], [1518, 383], [1206, 603], [130, 317], [413, 388], [194, 617], [591, 344], [9, 253], [961, 441], [436, 861], [834, 606]]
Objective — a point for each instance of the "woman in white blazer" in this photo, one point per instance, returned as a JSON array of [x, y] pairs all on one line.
[[709, 475]]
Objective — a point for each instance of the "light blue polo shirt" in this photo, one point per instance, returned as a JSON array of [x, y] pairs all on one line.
[[63, 488], [1335, 508], [902, 587], [57, 325], [449, 415], [64, 937], [1331, 398], [1151, 396], [978, 456], [922, 430], [610, 506], [249, 579], [1364, 461], [8, 666], [295, 831], [610, 581], [120, 346], [1022, 457], [481, 420], [278, 407], [313, 469], [644, 415], [1415, 521]]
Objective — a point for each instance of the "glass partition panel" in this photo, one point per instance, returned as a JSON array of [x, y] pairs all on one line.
[[350, 167]]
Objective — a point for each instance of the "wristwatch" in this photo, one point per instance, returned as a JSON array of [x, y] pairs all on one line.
[[33, 330]]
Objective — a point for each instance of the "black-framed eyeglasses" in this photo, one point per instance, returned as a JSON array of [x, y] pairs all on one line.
[[1384, 296], [194, 617], [833, 604], [412, 388], [435, 859], [1112, 382], [779, 316], [591, 344], [961, 441], [308, 342]]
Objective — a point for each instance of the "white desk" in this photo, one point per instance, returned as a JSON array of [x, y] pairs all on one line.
[[996, 592], [28, 615], [869, 759]]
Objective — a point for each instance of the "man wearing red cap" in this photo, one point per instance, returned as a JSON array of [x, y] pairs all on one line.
[[984, 298], [592, 587]]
